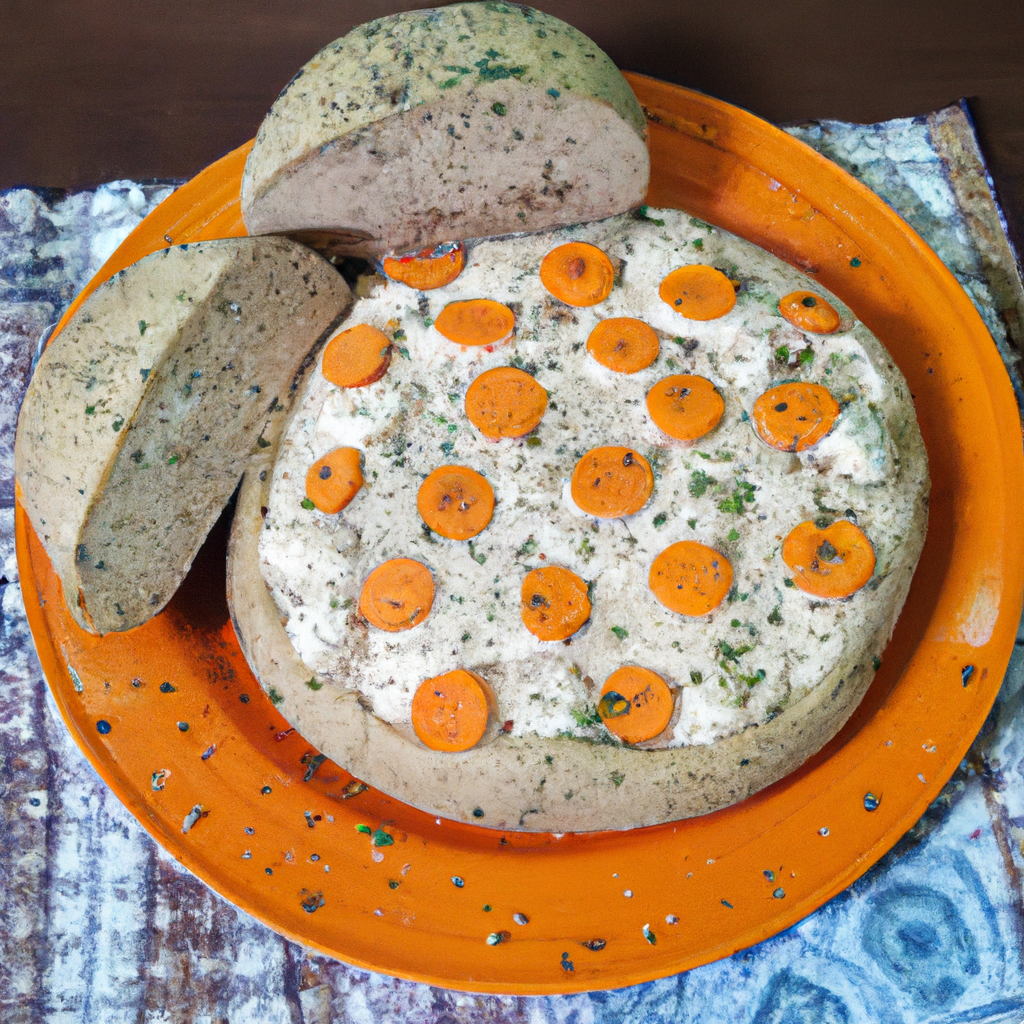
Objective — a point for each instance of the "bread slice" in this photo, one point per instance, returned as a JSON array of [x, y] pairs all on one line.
[[142, 412], [473, 120]]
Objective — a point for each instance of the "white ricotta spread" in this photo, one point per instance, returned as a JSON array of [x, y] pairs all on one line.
[[767, 645]]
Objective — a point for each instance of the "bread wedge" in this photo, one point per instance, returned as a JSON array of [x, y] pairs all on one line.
[[459, 122], [143, 411]]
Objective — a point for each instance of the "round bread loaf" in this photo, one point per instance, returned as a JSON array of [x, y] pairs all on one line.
[[142, 412], [762, 670], [470, 120]]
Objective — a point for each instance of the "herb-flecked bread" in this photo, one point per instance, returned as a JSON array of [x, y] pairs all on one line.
[[472, 120], [142, 412], [799, 497]]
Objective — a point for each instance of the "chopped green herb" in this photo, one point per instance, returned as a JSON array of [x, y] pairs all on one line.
[[692, 523], [788, 582], [734, 534], [699, 483], [775, 616], [142, 327], [380, 838], [466, 636], [533, 442], [404, 352], [275, 697], [782, 354], [90, 410], [365, 829], [733, 653], [618, 778], [479, 558], [876, 662], [585, 716], [314, 684], [172, 460], [855, 262], [642, 214], [500, 109], [806, 357], [307, 504], [696, 677], [660, 518], [620, 631], [528, 548]]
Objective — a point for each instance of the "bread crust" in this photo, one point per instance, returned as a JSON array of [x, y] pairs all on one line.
[[564, 783]]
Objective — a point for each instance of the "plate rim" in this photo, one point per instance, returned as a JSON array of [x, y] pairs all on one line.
[[659, 99]]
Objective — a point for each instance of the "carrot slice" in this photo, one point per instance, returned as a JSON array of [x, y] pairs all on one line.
[[357, 357], [794, 416], [456, 502], [476, 322], [397, 595], [690, 578], [450, 712], [834, 562], [698, 292], [809, 312], [505, 402], [334, 480], [636, 704], [577, 273], [611, 482], [554, 602], [433, 267], [685, 406], [624, 344]]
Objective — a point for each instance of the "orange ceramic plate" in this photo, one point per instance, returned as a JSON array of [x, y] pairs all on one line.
[[293, 842]]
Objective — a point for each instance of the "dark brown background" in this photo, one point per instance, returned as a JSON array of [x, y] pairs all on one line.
[[92, 90]]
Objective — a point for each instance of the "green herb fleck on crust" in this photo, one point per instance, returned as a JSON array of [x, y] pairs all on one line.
[[620, 631], [275, 697], [308, 505]]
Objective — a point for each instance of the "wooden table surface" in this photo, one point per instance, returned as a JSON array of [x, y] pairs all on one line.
[[93, 90]]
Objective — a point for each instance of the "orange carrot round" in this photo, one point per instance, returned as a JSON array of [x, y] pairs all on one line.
[[698, 292], [450, 712], [685, 406], [334, 480], [809, 312], [623, 344], [505, 402], [357, 357], [636, 704], [433, 267], [577, 273], [834, 562], [476, 322], [690, 578], [794, 416], [611, 482], [397, 595], [554, 602], [456, 502]]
